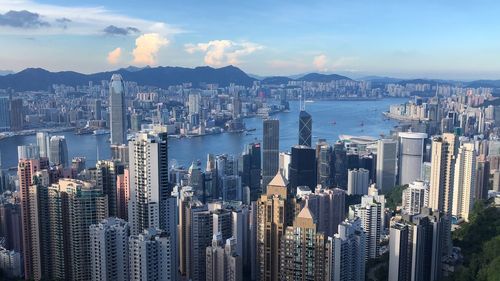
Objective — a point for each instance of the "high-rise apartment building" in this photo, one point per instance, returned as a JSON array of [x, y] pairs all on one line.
[[117, 109], [464, 181], [222, 260], [109, 250], [303, 250], [149, 187], [442, 178], [270, 151], [150, 256], [43, 140], [4, 113], [386, 164], [347, 256], [370, 214], [250, 169], [327, 207], [16, 114], [415, 197]]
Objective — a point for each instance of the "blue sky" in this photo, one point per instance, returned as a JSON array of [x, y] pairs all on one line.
[[438, 39]]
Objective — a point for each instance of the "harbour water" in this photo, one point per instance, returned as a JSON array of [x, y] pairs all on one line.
[[330, 119]]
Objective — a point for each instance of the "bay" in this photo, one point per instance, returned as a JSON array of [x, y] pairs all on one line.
[[330, 119]]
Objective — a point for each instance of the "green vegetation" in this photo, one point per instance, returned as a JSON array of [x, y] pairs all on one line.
[[393, 197], [480, 243]]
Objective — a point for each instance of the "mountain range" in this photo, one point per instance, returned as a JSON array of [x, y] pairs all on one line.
[[33, 79]]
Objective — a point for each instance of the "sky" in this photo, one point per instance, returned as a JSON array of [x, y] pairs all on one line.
[[405, 39]]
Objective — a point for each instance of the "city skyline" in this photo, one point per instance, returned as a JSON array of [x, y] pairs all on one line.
[[435, 42]]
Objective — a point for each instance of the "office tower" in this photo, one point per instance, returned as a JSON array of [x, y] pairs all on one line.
[[222, 223], [118, 122], [241, 233], [325, 168], [270, 151], [347, 254], [4, 113], [222, 261], [196, 180], [370, 214], [327, 207], [11, 224], [25, 171], [16, 114], [303, 250], [200, 237], [441, 183], [148, 191], [464, 181], [194, 103], [411, 152], [58, 151], [109, 250], [252, 229], [414, 247], [236, 104], [29, 151], [358, 181], [122, 194], [386, 164], [74, 206], [482, 177], [284, 166], [340, 166], [302, 168], [107, 173], [415, 197], [274, 214], [120, 153], [305, 128], [96, 109], [150, 255], [250, 169], [11, 264]]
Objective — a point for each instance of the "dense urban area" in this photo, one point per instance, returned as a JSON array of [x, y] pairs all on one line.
[[420, 202]]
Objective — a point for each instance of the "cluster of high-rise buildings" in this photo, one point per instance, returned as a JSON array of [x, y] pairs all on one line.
[[262, 215]]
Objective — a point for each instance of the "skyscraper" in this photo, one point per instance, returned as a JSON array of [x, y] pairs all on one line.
[[415, 197], [325, 168], [150, 256], [222, 261], [348, 252], [107, 173], [118, 122], [370, 214], [109, 250], [250, 169], [4, 113], [414, 247], [16, 114], [305, 128], [303, 250], [148, 191], [29, 151], [42, 140], [358, 181], [482, 177], [411, 153], [340, 165], [274, 214], [464, 181], [302, 168], [58, 151], [441, 185], [386, 164], [270, 151]]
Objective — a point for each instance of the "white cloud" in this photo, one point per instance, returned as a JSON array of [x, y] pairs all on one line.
[[114, 56], [223, 52], [147, 47], [80, 20], [320, 62]]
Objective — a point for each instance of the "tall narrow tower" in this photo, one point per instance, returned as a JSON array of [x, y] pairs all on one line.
[[305, 128], [117, 109], [270, 151]]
